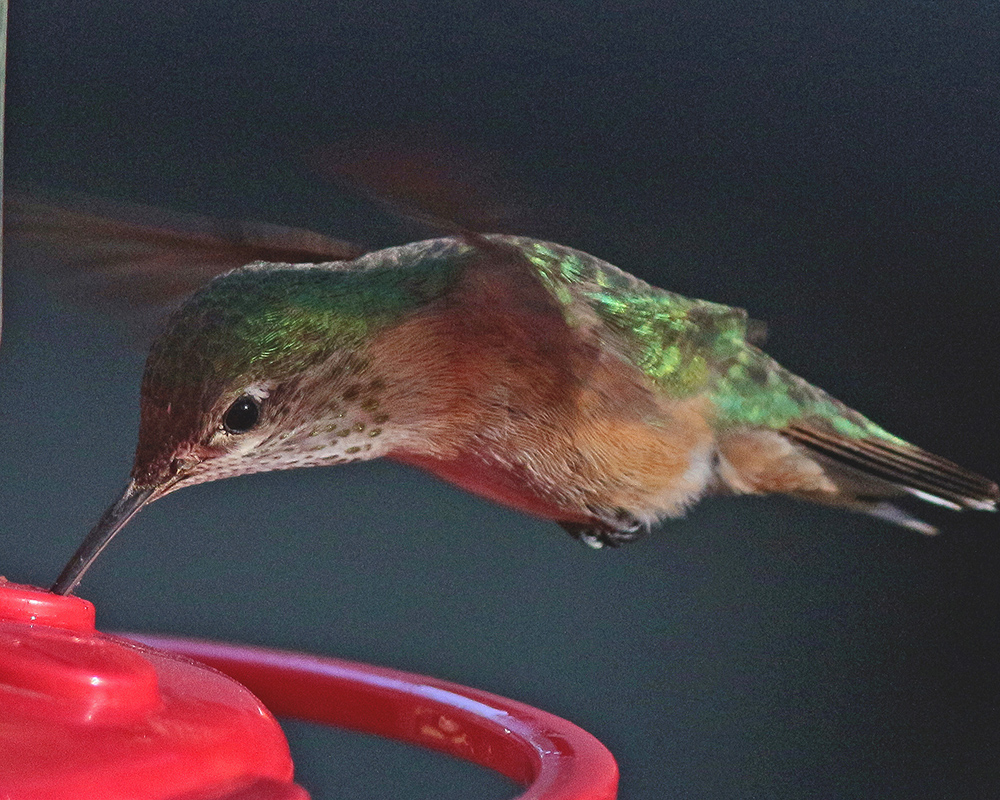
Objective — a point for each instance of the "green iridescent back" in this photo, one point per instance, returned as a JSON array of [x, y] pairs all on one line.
[[688, 347]]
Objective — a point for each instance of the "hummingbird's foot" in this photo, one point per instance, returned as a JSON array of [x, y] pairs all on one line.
[[608, 530]]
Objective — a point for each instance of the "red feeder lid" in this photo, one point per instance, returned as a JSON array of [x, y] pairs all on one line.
[[88, 715]]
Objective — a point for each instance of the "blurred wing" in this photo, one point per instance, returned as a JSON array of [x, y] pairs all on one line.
[[101, 251], [425, 175]]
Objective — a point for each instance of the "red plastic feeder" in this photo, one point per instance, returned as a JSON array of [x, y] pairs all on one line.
[[89, 715]]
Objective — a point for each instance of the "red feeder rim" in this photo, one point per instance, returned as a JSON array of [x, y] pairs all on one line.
[[556, 759]]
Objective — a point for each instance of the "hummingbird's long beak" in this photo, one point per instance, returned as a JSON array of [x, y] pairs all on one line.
[[132, 500]]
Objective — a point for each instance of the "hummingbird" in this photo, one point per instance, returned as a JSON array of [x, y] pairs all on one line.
[[527, 372]]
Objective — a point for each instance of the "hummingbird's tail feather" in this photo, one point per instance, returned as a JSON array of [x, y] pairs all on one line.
[[917, 472], [874, 474], [780, 434]]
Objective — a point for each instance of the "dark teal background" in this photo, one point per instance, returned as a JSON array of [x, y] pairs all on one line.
[[832, 168]]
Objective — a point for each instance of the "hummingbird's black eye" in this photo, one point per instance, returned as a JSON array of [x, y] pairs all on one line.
[[242, 415]]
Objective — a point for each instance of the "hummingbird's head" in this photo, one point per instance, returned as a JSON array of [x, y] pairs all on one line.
[[268, 367]]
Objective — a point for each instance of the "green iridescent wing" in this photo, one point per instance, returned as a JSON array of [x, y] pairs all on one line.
[[680, 343], [689, 347]]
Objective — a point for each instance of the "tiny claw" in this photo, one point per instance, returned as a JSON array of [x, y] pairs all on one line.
[[592, 540], [609, 530]]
